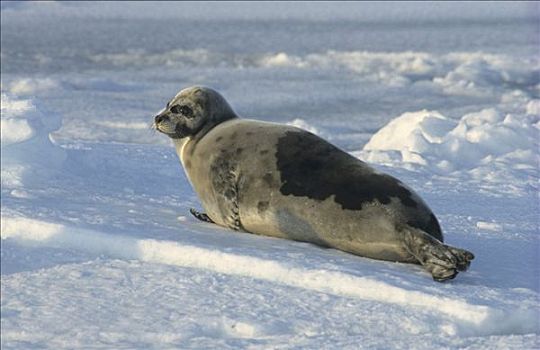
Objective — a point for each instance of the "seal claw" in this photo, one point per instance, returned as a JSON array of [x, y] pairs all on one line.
[[201, 216], [463, 257]]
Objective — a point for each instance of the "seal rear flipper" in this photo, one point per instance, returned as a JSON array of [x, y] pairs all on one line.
[[463, 257], [442, 261], [201, 216]]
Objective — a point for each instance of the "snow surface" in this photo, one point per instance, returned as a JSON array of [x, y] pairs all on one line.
[[98, 249], [479, 146]]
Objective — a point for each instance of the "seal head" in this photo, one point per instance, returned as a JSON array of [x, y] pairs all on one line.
[[192, 113]]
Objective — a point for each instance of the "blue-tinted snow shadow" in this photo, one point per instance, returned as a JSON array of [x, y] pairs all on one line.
[[16, 257]]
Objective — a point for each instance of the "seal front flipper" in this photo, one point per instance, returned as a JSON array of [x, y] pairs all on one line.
[[442, 261], [201, 216], [225, 186]]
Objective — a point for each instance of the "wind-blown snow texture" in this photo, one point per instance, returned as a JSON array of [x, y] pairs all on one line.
[[98, 249]]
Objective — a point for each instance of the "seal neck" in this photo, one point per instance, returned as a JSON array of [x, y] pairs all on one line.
[[182, 145], [205, 129]]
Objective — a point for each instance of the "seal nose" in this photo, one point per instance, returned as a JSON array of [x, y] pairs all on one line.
[[159, 118]]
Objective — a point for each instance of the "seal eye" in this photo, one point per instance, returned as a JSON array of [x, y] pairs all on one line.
[[184, 110]]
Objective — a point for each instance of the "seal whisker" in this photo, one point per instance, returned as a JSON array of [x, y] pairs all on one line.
[[152, 127]]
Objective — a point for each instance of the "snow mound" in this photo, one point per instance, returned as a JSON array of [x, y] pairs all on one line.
[[533, 107], [14, 128], [490, 146], [28, 153]]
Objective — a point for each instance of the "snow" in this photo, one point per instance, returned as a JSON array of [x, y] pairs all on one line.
[[301, 123], [337, 283], [533, 108], [15, 129], [465, 144], [98, 249], [485, 144], [30, 86], [316, 11], [490, 226], [26, 146]]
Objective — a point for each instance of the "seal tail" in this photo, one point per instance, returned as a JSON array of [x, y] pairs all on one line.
[[441, 260]]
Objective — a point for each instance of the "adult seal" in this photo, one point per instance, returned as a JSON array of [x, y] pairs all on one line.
[[282, 181]]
